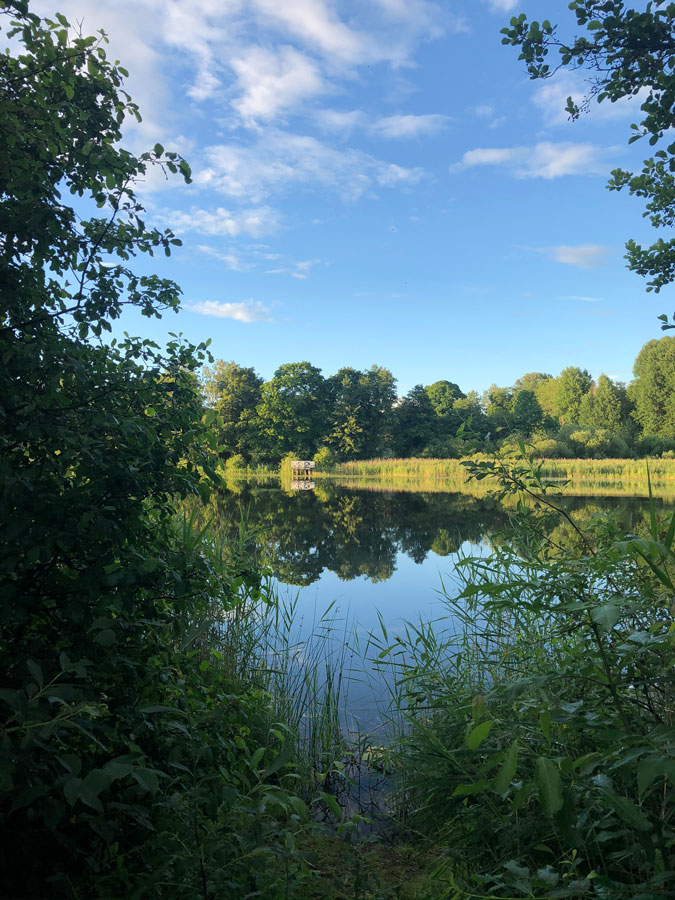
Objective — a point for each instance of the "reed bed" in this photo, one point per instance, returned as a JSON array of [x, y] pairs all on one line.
[[584, 477]]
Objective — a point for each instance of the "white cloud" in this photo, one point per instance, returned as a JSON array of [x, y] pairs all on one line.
[[584, 256], [551, 100], [387, 127], [277, 160], [300, 269], [486, 112], [281, 53], [247, 311], [408, 126], [272, 81], [545, 160], [502, 6], [231, 259], [220, 221], [585, 299], [315, 23], [340, 121]]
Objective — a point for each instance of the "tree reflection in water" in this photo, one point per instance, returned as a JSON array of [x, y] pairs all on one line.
[[356, 533]]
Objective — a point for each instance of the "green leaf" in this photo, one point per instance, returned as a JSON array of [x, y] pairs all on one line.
[[71, 790], [545, 723], [36, 672], [467, 790], [332, 804], [502, 781], [478, 734], [105, 638], [547, 780], [147, 779], [648, 770], [606, 615], [257, 756], [94, 783], [300, 808], [626, 810]]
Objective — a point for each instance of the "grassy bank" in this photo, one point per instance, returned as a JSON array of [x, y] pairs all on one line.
[[587, 477]]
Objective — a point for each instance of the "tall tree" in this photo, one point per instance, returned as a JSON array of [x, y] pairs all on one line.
[[293, 411], [499, 407], [572, 384], [604, 406], [530, 381], [360, 404], [546, 392], [527, 414], [414, 422], [653, 390], [233, 391], [443, 395]]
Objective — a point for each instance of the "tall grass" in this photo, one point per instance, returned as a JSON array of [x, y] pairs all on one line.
[[298, 668], [586, 477]]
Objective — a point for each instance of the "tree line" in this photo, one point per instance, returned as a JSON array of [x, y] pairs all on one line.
[[356, 414]]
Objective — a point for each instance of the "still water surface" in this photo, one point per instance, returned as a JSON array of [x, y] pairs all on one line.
[[372, 553]]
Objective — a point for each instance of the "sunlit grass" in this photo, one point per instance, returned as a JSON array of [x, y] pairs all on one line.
[[586, 477]]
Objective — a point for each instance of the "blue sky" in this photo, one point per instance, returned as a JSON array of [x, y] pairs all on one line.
[[378, 181]]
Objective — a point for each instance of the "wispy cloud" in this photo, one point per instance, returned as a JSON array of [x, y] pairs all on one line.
[[258, 256], [277, 160], [407, 126], [545, 160], [585, 299], [486, 112], [387, 127], [341, 122], [231, 259], [584, 256], [299, 269], [255, 222], [502, 6], [246, 311]]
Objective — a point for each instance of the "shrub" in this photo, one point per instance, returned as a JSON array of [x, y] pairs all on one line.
[[235, 463], [546, 719], [132, 763], [325, 458]]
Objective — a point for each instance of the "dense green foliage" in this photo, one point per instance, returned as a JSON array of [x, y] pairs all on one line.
[[136, 758], [536, 740], [355, 415], [625, 51]]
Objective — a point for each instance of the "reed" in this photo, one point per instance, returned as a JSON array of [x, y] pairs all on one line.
[[578, 477]]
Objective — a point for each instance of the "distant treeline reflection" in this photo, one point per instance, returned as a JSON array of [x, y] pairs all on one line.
[[356, 533]]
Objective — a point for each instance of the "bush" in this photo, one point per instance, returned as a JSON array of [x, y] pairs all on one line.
[[325, 458], [235, 463], [545, 717], [132, 762]]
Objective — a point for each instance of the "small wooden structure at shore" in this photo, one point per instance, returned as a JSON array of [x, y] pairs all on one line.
[[301, 474]]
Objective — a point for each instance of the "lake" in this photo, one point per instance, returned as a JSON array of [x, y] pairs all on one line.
[[376, 557]]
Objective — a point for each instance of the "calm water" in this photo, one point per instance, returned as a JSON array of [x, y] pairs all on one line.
[[377, 555]]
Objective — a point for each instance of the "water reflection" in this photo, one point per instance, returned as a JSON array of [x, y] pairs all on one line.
[[355, 533]]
